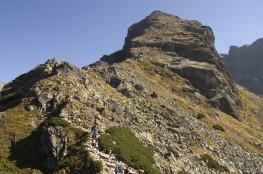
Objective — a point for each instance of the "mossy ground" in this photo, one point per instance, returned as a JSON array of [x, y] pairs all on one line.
[[127, 148]]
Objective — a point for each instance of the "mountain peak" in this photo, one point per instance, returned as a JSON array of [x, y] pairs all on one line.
[[170, 33], [158, 14], [187, 48]]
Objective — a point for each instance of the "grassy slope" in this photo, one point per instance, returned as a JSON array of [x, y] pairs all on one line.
[[15, 120]]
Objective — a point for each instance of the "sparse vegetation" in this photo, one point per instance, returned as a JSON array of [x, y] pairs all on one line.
[[56, 121], [127, 147], [79, 161], [182, 172], [218, 127], [211, 163]]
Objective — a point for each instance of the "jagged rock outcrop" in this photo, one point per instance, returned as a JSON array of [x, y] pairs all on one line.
[[27, 80], [187, 48], [167, 86], [54, 143], [245, 65]]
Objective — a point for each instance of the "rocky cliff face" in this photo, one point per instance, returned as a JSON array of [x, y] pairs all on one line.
[[244, 65], [167, 86]]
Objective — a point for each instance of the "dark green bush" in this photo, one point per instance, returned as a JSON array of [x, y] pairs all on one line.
[[127, 148], [200, 116], [95, 166], [211, 163], [218, 127], [65, 163]]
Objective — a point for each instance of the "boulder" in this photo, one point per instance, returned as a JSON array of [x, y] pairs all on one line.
[[57, 66], [43, 100], [29, 108], [115, 82], [139, 87], [116, 108], [226, 104]]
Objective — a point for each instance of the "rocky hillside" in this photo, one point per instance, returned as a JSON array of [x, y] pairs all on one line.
[[245, 65], [162, 104]]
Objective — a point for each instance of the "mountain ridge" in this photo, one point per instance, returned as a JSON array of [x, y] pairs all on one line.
[[149, 88]]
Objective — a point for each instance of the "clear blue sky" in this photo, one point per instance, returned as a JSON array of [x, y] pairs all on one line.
[[81, 31]]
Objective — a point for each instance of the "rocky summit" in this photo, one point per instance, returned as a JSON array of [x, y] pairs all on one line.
[[245, 65], [163, 104]]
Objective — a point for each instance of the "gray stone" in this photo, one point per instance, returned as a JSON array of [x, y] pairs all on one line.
[[29, 108]]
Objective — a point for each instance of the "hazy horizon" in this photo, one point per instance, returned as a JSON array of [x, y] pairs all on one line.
[[82, 31]]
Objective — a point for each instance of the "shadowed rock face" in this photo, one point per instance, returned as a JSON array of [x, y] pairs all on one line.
[[186, 47], [245, 65]]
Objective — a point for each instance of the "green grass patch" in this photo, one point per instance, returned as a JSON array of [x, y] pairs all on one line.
[[211, 163], [127, 148], [218, 127]]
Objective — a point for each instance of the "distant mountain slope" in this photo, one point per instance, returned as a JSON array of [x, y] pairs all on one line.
[[245, 65], [1, 85], [163, 104]]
